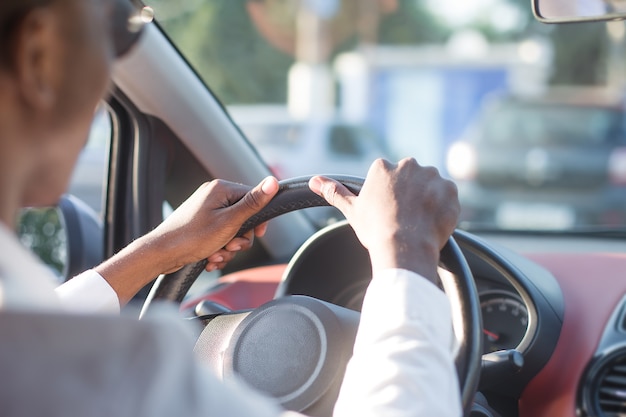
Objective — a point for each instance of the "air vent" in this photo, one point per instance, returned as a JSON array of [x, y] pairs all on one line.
[[604, 388], [612, 389], [620, 319]]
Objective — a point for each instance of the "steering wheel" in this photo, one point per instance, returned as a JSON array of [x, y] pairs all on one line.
[[296, 348]]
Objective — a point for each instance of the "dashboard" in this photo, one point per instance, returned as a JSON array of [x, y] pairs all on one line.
[[521, 302], [582, 377], [505, 319], [558, 301]]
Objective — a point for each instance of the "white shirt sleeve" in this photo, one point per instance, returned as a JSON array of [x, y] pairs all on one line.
[[88, 292], [402, 363]]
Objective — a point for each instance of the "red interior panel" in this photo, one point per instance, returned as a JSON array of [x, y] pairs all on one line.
[[592, 285], [244, 289]]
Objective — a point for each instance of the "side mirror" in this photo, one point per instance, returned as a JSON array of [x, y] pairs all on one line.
[[572, 11]]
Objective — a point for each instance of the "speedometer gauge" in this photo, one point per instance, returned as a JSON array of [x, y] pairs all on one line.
[[505, 320]]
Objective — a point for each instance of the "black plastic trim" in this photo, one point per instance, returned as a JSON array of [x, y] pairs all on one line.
[[612, 346], [540, 292]]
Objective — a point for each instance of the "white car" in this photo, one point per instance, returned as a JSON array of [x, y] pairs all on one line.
[[292, 147]]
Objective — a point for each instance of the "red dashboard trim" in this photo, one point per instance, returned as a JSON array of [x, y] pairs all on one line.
[[246, 289], [592, 285]]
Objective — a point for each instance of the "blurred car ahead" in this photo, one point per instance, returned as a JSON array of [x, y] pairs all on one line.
[[553, 162], [293, 147]]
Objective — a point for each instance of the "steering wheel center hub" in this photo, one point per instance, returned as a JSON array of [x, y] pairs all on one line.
[[298, 368]]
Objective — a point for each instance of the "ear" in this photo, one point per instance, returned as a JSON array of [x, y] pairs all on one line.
[[38, 53]]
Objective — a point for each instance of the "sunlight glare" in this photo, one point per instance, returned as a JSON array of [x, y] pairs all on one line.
[[502, 16], [460, 13]]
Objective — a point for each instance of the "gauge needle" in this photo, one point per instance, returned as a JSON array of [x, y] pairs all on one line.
[[492, 336]]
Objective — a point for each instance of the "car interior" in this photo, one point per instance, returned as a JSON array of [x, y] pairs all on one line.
[[540, 315]]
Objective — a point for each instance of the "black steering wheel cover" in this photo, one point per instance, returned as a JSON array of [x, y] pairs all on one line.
[[294, 194], [460, 286], [335, 257]]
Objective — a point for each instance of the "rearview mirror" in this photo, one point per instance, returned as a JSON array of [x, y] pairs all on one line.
[[570, 11]]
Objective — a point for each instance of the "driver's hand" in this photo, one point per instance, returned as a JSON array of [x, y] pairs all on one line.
[[204, 226], [403, 215], [220, 258]]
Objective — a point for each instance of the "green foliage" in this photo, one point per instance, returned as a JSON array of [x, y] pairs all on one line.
[[241, 66], [580, 50], [411, 24], [41, 231], [580, 54], [248, 69]]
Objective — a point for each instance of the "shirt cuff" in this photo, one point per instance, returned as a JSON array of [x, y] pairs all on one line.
[[401, 297], [403, 361], [88, 292]]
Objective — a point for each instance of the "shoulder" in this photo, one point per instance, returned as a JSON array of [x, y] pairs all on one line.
[[61, 364]]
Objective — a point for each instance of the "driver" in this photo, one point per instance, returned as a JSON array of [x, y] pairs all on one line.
[[55, 63]]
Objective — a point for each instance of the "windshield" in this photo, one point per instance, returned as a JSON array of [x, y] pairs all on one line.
[[526, 118], [544, 125]]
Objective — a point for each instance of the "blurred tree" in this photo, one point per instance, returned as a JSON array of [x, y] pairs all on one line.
[[249, 69], [412, 23], [580, 54], [254, 40], [580, 50], [41, 231]]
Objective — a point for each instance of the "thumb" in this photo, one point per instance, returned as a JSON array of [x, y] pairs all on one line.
[[255, 199], [334, 192]]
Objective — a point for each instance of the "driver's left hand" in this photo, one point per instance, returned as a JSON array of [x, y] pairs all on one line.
[[204, 226]]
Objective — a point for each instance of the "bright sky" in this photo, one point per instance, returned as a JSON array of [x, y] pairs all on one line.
[[461, 12]]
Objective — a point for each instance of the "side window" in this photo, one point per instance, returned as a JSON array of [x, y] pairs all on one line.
[[89, 177], [41, 229]]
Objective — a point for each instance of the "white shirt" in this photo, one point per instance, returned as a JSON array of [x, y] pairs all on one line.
[[402, 363]]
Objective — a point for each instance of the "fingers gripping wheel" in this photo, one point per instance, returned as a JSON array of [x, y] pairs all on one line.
[[294, 194]]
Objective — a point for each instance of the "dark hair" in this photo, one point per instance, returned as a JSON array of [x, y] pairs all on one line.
[[11, 14]]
